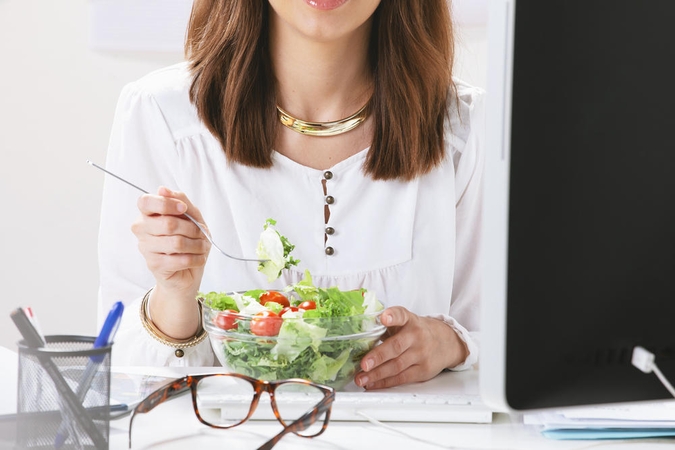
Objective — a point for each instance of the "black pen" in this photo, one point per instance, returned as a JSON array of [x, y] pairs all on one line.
[[30, 335], [104, 339], [33, 340]]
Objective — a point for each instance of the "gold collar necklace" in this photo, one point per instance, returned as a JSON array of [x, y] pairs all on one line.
[[323, 128]]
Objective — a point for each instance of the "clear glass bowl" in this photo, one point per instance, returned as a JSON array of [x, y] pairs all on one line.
[[323, 350]]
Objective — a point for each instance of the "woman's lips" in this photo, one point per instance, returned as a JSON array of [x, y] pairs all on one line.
[[325, 4]]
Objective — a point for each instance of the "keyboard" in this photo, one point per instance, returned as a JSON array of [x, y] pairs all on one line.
[[448, 398], [393, 407]]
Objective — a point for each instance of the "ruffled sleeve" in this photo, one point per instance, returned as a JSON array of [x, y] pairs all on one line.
[[141, 150], [464, 314]]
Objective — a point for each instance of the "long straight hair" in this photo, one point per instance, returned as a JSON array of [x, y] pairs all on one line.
[[411, 53]]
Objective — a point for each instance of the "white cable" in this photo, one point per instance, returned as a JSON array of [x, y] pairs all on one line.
[[664, 380], [415, 438], [395, 430], [644, 360]]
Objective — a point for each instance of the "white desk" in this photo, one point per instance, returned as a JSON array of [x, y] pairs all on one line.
[[173, 425]]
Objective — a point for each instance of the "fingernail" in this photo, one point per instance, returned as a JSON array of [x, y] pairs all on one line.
[[363, 381], [386, 318], [182, 207], [367, 365]]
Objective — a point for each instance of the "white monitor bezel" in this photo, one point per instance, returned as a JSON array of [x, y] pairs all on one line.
[[492, 373]]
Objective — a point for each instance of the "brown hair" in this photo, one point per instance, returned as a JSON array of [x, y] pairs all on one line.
[[411, 55]]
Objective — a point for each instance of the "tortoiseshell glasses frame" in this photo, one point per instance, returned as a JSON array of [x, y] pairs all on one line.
[[191, 382]]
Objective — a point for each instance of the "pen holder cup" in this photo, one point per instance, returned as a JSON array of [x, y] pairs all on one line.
[[63, 394]]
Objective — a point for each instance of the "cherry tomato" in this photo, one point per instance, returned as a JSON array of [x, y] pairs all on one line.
[[227, 320], [307, 305], [287, 309], [266, 323], [274, 296]]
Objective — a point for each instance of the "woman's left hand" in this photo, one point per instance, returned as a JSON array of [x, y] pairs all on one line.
[[415, 348]]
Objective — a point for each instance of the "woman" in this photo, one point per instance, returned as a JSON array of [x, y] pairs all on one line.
[[391, 204]]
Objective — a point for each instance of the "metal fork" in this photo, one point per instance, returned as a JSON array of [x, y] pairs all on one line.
[[201, 228]]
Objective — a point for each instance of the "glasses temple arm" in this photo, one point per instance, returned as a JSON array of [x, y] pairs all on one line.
[[302, 423], [272, 442]]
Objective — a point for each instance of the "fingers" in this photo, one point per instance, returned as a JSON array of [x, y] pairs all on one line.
[[162, 215], [417, 349], [165, 202], [393, 371], [164, 266], [165, 225], [392, 356], [393, 346], [162, 203], [181, 199], [411, 374], [396, 316], [168, 240], [167, 254], [172, 244]]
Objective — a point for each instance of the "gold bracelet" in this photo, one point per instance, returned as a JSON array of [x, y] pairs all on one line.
[[155, 332]]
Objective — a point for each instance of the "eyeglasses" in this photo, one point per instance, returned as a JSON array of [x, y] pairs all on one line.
[[229, 399]]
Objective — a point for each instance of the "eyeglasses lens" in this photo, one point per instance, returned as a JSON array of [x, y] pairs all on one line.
[[294, 400], [224, 401]]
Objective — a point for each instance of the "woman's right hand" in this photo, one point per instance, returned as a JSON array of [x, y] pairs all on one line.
[[175, 251]]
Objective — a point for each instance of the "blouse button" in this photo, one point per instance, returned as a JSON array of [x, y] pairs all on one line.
[[330, 251], [330, 230], [330, 199], [179, 353], [328, 175]]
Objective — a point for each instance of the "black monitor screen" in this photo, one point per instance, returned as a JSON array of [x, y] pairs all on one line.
[[591, 265]]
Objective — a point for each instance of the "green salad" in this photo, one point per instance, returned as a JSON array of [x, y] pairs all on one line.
[[276, 250], [303, 331]]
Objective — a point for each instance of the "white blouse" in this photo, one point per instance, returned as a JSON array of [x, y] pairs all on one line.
[[415, 244]]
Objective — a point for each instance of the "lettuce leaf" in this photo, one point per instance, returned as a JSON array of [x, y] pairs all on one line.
[[305, 288], [276, 249], [326, 368], [295, 336], [219, 301]]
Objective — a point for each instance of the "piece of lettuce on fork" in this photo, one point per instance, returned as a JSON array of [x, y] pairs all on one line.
[[276, 249]]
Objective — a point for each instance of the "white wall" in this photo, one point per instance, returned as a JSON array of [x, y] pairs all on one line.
[[57, 98]]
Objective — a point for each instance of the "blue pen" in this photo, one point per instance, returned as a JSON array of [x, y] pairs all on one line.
[[34, 340], [104, 338]]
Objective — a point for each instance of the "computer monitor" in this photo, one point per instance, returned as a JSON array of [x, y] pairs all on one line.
[[579, 236]]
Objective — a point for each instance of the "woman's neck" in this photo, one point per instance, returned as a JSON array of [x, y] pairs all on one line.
[[320, 80]]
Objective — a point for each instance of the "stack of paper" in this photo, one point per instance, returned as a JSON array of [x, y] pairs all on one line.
[[623, 421]]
